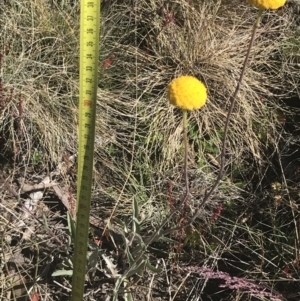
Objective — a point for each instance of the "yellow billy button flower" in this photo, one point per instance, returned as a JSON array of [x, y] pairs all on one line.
[[267, 4], [187, 93]]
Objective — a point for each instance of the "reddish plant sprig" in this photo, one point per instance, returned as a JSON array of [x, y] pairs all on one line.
[[107, 62], [236, 283], [169, 18], [216, 214]]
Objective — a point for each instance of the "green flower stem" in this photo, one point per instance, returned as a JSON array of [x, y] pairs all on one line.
[[186, 149]]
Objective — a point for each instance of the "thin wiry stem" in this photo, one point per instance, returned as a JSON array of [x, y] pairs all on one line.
[[226, 127], [186, 150]]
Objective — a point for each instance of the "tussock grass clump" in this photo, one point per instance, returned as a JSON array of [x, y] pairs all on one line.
[[138, 147], [41, 64]]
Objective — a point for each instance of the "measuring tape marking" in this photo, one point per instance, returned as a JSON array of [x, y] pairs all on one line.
[[89, 44]]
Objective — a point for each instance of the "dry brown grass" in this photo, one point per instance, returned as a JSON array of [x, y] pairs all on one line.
[[138, 150]]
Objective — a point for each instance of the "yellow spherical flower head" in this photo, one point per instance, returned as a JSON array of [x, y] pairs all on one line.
[[267, 4], [187, 93]]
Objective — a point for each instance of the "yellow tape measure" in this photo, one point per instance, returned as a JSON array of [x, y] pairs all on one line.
[[89, 50]]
